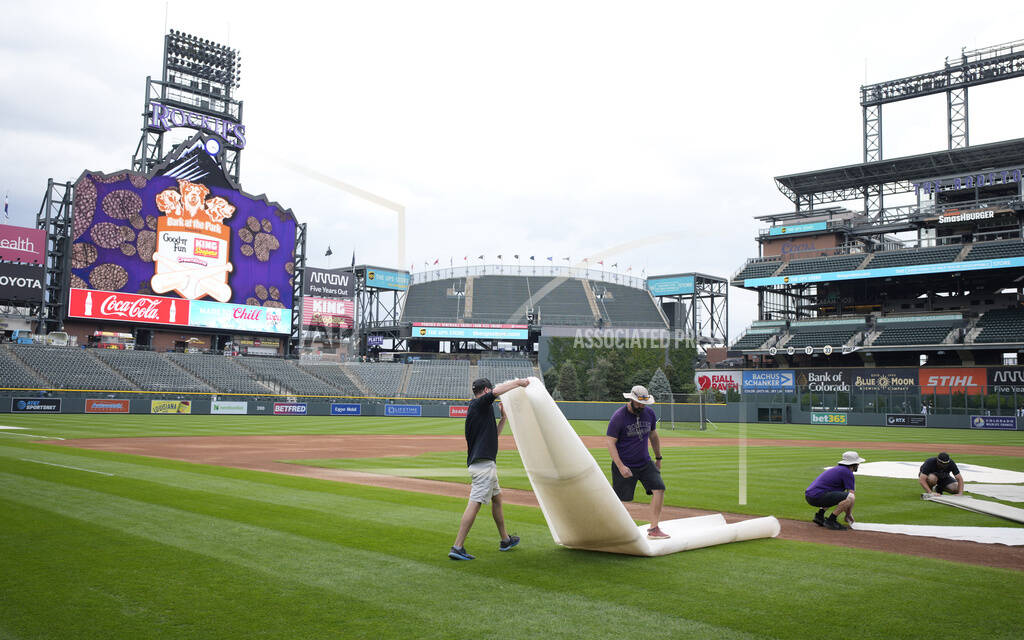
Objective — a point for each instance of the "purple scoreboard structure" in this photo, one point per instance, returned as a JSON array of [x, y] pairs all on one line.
[[175, 241]]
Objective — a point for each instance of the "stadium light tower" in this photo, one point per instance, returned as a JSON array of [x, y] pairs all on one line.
[[195, 91]]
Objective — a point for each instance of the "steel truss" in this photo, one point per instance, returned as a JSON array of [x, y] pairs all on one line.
[[706, 311], [54, 217]]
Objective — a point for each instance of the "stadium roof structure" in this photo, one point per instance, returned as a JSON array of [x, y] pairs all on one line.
[[897, 175]]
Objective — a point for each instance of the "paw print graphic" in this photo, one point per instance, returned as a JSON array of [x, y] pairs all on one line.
[[265, 297], [257, 239]]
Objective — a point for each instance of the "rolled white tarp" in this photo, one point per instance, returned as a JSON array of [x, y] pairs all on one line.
[[581, 509]]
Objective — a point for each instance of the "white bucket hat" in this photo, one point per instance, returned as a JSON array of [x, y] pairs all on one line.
[[640, 394], [851, 458]]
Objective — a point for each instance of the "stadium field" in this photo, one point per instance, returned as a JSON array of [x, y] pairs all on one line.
[[101, 545]]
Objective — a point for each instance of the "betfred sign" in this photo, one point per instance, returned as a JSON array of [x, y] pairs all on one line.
[[21, 244], [98, 405], [458, 411], [127, 307], [944, 382], [289, 408], [719, 380]]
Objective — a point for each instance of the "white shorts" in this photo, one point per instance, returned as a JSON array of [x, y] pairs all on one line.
[[485, 481]]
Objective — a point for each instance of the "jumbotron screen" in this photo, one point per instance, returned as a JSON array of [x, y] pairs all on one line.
[[230, 255]]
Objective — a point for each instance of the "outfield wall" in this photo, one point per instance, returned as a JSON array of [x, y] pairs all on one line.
[[750, 410]]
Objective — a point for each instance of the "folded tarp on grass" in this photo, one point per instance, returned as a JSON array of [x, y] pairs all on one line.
[[979, 506], [581, 509]]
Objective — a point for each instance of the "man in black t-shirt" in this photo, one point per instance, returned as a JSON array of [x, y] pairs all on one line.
[[482, 447], [940, 474]]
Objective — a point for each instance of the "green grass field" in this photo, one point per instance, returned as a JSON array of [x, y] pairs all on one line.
[[117, 546]]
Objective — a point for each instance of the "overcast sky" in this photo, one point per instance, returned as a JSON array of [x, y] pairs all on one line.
[[543, 128]]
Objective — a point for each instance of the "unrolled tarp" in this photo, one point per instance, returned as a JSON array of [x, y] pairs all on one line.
[[581, 509]]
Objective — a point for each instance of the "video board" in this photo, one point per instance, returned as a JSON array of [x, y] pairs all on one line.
[[166, 237]]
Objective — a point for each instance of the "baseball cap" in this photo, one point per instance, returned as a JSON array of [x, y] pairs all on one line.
[[943, 458], [480, 384], [640, 394], [851, 458]]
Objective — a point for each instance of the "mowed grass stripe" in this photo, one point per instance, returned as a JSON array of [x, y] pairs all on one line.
[[708, 478], [715, 587], [364, 577]]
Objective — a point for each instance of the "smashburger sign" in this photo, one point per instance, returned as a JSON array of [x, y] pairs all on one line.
[[127, 307], [719, 380]]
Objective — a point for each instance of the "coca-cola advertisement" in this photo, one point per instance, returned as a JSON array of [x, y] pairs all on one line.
[[127, 307]]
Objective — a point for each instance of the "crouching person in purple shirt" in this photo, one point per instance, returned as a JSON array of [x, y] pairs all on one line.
[[834, 488]]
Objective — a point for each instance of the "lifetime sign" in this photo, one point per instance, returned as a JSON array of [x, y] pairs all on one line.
[[165, 118]]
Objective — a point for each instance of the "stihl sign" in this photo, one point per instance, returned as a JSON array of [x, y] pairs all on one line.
[[127, 307], [945, 382]]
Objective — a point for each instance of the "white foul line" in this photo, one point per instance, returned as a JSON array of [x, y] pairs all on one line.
[[33, 435], [743, 463], [64, 466]]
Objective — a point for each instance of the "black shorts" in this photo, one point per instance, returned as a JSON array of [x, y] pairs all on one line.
[[648, 475], [944, 481], [826, 500]]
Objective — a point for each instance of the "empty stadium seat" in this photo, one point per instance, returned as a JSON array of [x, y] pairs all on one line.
[[14, 375], [70, 367], [1001, 325], [288, 376], [498, 370], [222, 373], [381, 378], [149, 371], [908, 257], [1000, 249], [847, 262], [438, 379]]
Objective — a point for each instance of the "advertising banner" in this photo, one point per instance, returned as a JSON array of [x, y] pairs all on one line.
[[385, 279], [164, 236], [468, 332], [289, 408], [229, 407], [458, 411], [768, 381], [719, 380], [171, 406], [328, 283], [883, 379], [239, 317], [818, 417], [346, 409], [35, 405], [889, 272], [1002, 423], [797, 228], [823, 380], [21, 244], [21, 282], [944, 382], [670, 285], [1006, 380], [106, 405], [127, 307], [906, 420], [414, 410], [321, 312]]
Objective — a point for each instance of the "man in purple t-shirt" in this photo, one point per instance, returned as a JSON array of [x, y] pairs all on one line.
[[629, 430], [834, 488]]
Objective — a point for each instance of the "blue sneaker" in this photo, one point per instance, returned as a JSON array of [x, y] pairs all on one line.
[[460, 553], [506, 545]]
